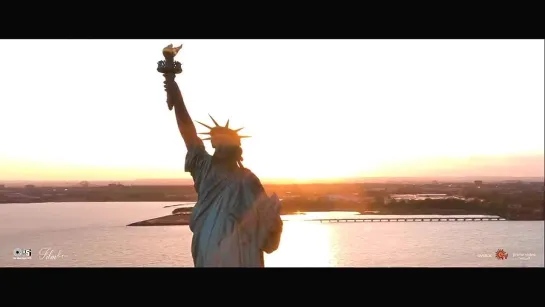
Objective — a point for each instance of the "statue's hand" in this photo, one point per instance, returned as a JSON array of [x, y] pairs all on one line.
[[169, 85], [173, 92], [169, 80]]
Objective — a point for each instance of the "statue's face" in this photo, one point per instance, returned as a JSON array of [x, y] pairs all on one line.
[[224, 153]]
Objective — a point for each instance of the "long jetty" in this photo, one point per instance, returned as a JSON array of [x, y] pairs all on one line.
[[408, 219]]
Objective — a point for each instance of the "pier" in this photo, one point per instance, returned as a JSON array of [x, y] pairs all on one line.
[[409, 219]]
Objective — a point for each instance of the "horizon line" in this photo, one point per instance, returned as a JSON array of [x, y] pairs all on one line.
[[289, 180]]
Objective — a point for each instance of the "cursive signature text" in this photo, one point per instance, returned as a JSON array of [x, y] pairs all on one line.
[[48, 253]]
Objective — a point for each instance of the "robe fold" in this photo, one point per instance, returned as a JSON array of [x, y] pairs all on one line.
[[233, 221]]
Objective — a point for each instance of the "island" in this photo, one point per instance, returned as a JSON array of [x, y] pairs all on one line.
[[179, 216]]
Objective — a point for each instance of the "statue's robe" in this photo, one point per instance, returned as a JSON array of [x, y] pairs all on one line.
[[233, 221]]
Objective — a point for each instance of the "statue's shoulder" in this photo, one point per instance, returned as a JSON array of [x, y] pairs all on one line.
[[250, 177], [252, 183]]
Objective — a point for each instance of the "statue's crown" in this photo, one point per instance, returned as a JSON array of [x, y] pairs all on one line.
[[223, 135]]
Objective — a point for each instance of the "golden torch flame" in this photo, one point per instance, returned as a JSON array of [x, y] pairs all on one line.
[[170, 52]]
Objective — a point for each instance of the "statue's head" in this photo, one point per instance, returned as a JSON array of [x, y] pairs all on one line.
[[228, 155], [226, 143]]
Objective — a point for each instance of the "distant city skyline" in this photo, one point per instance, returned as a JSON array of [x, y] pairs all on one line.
[[318, 110], [189, 182]]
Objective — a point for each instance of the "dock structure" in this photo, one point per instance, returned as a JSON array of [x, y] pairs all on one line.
[[409, 219]]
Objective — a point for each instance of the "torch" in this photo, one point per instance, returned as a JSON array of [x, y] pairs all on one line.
[[168, 67]]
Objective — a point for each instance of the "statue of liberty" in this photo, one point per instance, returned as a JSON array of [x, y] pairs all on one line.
[[233, 222]]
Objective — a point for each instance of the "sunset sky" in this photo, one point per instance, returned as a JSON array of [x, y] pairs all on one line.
[[316, 109]]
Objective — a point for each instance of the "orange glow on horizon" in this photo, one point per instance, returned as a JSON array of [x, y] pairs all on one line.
[[317, 111]]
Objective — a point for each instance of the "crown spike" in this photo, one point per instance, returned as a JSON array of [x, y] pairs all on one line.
[[208, 133], [204, 124], [215, 122], [206, 139], [244, 136], [227, 124], [237, 130]]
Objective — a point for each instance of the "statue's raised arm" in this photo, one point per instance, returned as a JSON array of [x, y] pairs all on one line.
[[170, 68], [185, 123]]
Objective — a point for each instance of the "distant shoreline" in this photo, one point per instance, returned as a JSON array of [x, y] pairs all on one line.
[[512, 201], [280, 181]]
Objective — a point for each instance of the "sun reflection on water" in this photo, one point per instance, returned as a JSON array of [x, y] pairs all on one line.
[[303, 244]]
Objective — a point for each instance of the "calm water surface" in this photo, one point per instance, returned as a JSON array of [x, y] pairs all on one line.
[[95, 235]]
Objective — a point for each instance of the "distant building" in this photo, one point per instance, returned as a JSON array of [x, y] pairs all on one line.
[[368, 199], [353, 197], [423, 196], [478, 183]]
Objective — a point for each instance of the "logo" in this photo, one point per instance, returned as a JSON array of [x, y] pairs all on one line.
[[501, 254], [47, 253], [23, 254]]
